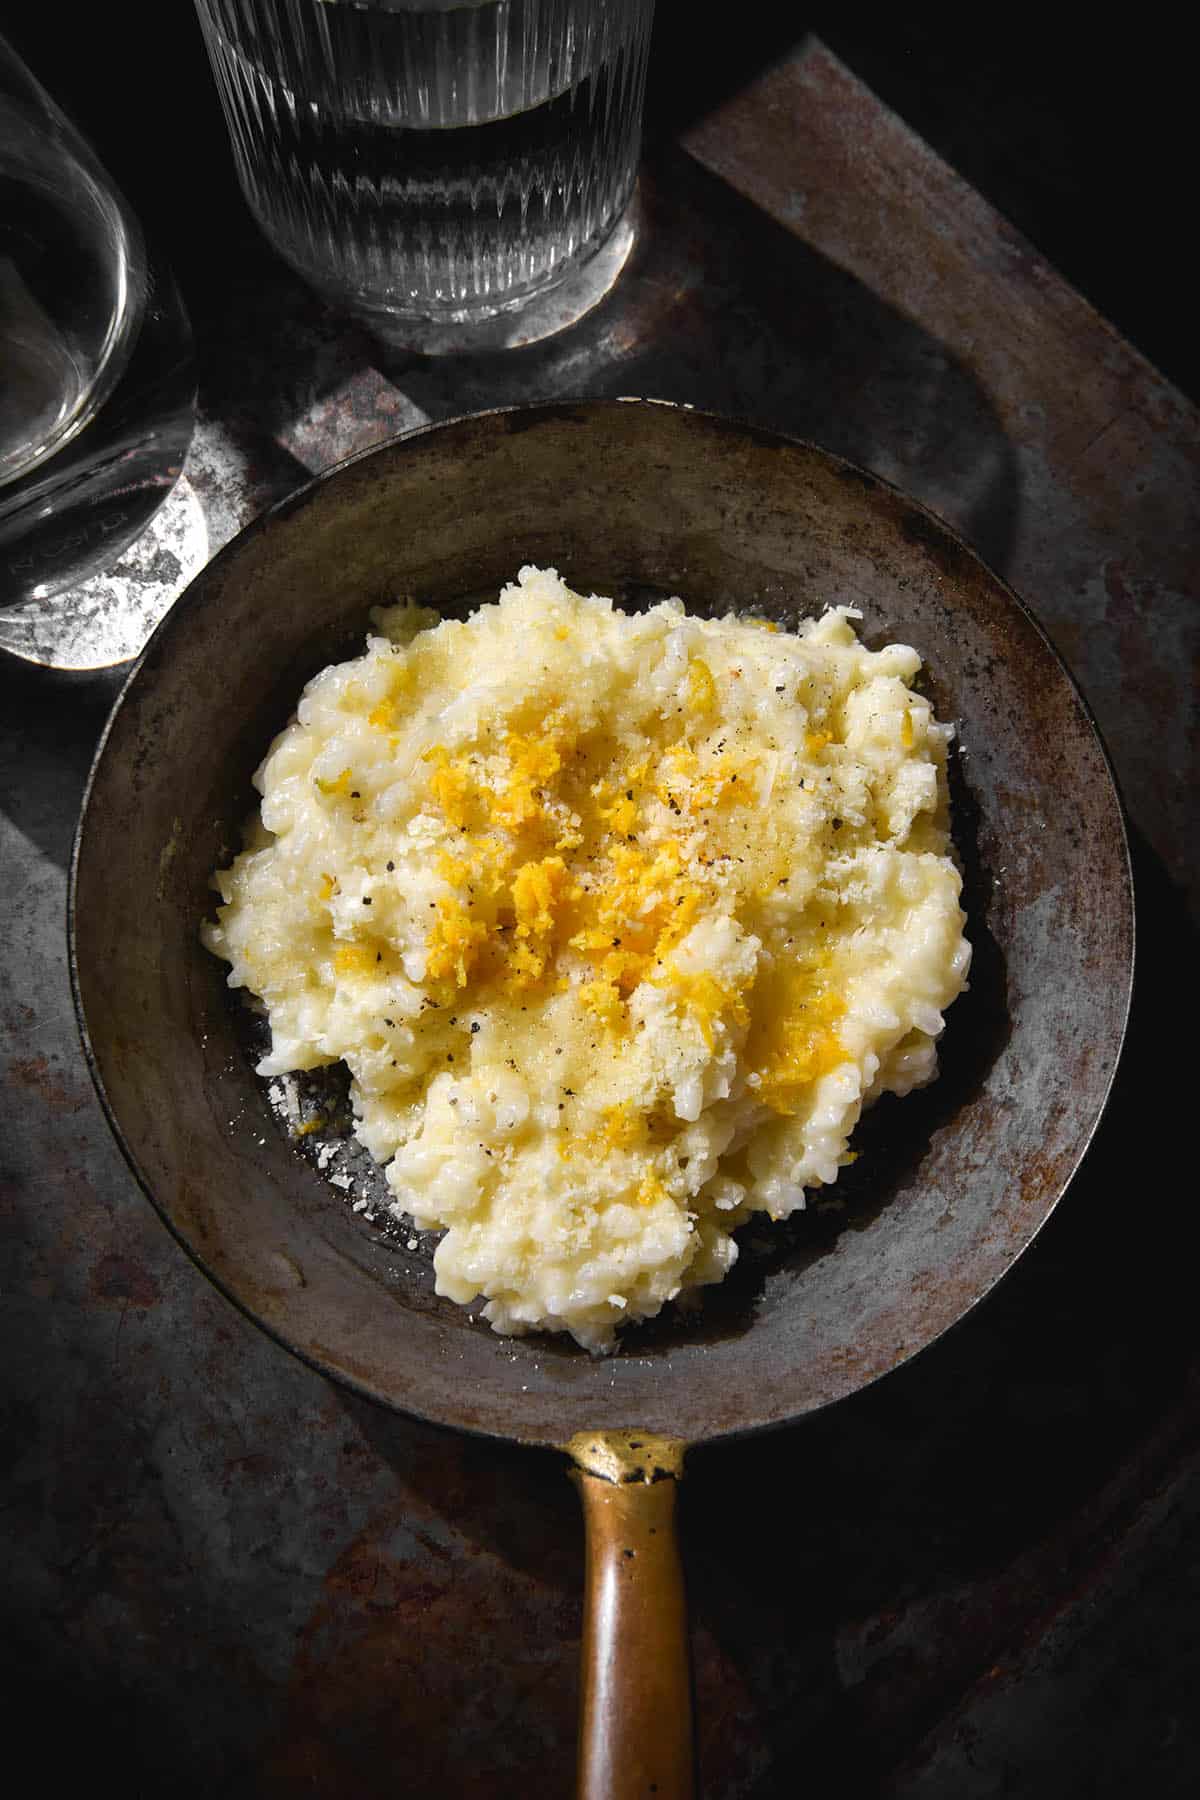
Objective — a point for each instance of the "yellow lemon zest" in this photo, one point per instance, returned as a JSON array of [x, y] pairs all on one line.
[[452, 784], [701, 688], [725, 778], [339, 785], [454, 869], [707, 1000], [650, 1190], [602, 998], [454, 943], [794, 1044], [538, 890], [621, 1129], [355, 959], [533, 763], [525, 968]]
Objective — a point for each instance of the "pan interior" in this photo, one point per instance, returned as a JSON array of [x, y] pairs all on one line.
[[636, 501]]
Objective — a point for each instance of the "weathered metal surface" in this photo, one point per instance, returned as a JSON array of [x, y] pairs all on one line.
[[1096, 518], [981, 1573]]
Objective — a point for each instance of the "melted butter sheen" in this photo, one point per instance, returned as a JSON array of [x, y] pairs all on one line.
[[617, 920]]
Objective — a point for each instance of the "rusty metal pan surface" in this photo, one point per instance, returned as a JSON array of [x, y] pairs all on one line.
[[637, 500]]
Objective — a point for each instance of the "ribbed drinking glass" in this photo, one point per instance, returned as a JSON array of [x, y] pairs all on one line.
[[432, 165]]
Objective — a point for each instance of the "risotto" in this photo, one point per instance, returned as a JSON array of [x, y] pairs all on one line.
[[618, 921]]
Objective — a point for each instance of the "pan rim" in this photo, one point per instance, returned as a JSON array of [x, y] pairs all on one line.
[[532, 412]]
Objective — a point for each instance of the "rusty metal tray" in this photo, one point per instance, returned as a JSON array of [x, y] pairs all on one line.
[[978, 1571]]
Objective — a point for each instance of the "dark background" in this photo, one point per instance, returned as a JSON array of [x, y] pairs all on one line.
[[1084, 142], [1082, 137]]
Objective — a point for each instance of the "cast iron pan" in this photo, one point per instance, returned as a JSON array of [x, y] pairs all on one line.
[[637, 500]]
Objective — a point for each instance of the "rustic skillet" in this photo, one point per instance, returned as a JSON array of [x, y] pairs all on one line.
[[630, 499]]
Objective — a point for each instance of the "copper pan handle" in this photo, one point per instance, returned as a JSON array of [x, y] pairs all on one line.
[[635, 1711]]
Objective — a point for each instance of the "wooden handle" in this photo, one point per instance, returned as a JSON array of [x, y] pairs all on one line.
[[635, 1717]]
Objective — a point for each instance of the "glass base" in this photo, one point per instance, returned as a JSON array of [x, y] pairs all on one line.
[[77, 512], [103, 622], [522, 322]]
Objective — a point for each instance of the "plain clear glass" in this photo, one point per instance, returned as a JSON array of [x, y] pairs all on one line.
[[72, 275], [97, 381], [431, 165]]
